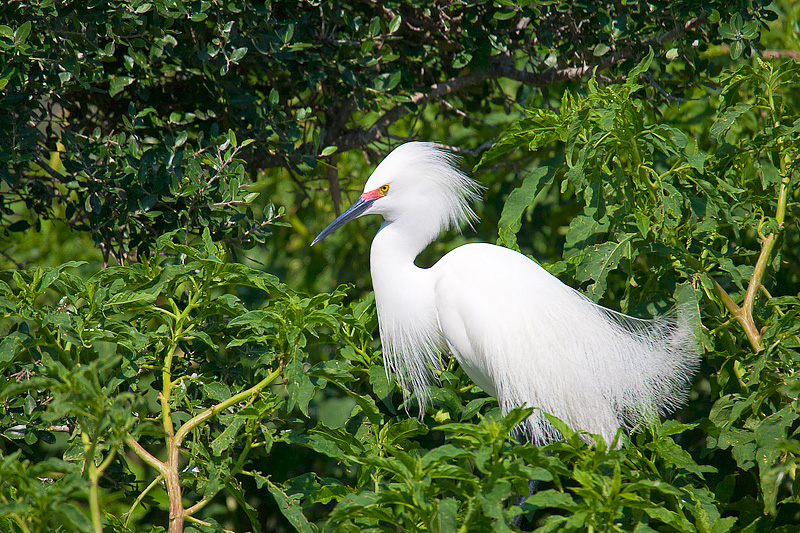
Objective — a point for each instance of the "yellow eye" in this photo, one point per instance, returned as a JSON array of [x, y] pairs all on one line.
[[384, 188]]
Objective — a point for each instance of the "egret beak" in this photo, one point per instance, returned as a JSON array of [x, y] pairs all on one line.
[[354, 211]]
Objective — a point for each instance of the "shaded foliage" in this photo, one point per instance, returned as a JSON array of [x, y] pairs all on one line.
[[111, 113]]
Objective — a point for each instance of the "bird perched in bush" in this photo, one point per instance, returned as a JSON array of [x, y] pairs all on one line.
[[518, 332]]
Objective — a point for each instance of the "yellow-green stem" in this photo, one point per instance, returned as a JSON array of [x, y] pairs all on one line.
[[470, 508], [201, 522], [745, 320], [146, 456], [17, 518], [744, 313], [169, 470], [177, 514], [166, 391], [94, 485], [107, 461], [213, 411], [196, 507], [166, 371], [20, 522], [783, 195], [140, 497]]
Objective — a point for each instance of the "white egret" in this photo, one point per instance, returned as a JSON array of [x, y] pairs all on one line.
[[517, 331]]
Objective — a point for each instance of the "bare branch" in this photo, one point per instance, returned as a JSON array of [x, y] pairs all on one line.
[[780, 53], [50, 170]]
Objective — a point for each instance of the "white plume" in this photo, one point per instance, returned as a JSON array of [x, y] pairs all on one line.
[[518, 332]]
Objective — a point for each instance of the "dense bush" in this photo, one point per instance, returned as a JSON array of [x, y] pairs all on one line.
[[156, 376]]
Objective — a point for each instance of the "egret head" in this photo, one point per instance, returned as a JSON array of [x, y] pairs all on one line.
[[419, 184]]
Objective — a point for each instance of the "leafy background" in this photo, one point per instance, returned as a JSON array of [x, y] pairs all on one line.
[[175, 357]]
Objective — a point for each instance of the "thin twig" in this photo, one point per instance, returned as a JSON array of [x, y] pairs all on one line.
[[140, 497], [50, 170], [213, 411]]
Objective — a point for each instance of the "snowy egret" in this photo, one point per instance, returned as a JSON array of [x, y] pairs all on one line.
[[518, 332]]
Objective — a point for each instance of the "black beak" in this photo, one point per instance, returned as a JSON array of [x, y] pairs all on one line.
[[354, 211]]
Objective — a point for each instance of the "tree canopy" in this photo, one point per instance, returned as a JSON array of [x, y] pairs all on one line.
[[112, 109], [174, 355]]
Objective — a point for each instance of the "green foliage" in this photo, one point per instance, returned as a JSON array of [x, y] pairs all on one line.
[[118, 118], [117, 361], [705, 221]]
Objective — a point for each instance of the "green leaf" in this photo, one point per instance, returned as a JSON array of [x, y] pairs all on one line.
[[299, 386], [446, 515], [180, 140], [551, 498], [336, 370], [382, 386], [600, 260], [394, 24], [640, 68], [118, 83], [125, 298], [328, 151], [670, 518], [228, 436], [727, 32], [737, 47], [750, 30], [518, 201], [217, 391], [210, 246], [75, 516], [504, 15], [375, 26], [290, 508], [238, 54], [367, 405], [10, 346], [697, 161], [727, 118], [398, 434], [674, 454], [331, 492], [21, 35], [332, 442], [600, 50]]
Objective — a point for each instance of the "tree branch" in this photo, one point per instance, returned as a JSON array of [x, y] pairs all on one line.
[[356, 138], [146, 456], [501, 66], [742, 315], [50, 170], [214, 411]]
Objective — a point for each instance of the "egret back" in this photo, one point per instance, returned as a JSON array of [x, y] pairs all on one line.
[[528, 339]]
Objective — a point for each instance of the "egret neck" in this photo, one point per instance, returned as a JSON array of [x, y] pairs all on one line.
[[409, 329]]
